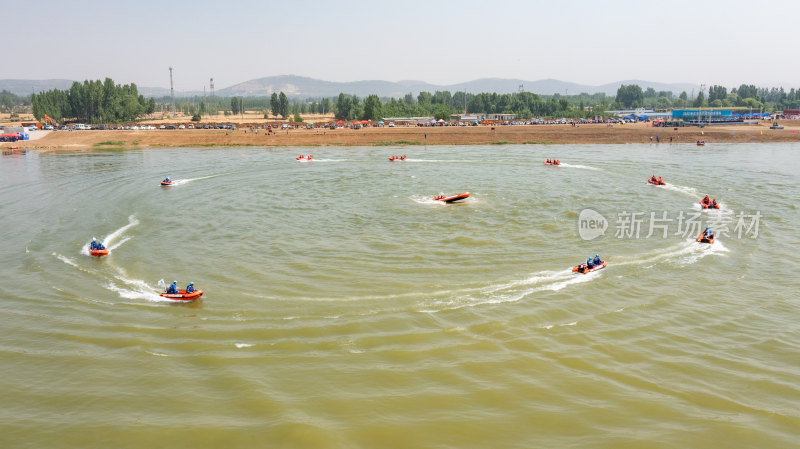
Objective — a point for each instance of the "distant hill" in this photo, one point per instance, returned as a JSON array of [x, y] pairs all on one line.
[[26, 87], [159, 92], [304, 87], [299, 86]]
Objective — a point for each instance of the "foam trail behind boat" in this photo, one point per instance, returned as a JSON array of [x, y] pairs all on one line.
[[135, 289], [184, 181], [684, 253], [681, 189], [113, 247], [515, 290], [109, 239], [582, 167], [131, 293]]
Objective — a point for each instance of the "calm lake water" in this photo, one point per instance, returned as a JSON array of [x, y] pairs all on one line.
[[344, 308]]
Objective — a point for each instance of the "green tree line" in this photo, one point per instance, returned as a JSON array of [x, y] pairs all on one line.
[[106, 102], [8, 101], [443, 104], [746, 95], [93, 102]]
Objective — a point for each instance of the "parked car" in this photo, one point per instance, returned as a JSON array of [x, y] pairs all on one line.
[[172, 127], [181, 126]]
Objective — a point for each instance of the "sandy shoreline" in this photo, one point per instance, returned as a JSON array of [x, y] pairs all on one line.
[[479, 135]]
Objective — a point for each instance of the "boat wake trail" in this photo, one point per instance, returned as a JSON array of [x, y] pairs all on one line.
[[110, 238], [118, 283], [180, 182], [681, 189], [582, 167], [684, 253], [442, 160], [113, 247], [135, 289], [515, 290], [71, 262]]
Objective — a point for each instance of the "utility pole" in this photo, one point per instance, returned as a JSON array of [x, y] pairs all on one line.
[[171, 91], [211, 87], [700, 105]]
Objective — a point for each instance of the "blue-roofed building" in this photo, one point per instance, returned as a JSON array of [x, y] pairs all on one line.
[[706, 117]]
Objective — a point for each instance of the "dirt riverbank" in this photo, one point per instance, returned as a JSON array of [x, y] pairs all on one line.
[[477, 135]]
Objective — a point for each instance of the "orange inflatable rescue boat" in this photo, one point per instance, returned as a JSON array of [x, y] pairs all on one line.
[[710, 205], [302, 158], [582, 268], [451, 199], [182, 295], [702, 239], [98, 252]]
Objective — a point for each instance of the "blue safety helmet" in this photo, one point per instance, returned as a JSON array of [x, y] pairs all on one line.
[[597, 255], [191, 283], [174, 282]]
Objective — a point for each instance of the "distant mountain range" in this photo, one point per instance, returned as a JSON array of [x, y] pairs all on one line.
[[304, 87], [27, 87], [299, 86]]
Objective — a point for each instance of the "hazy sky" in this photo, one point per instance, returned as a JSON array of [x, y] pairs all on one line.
[[442, 42]]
